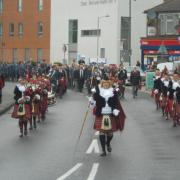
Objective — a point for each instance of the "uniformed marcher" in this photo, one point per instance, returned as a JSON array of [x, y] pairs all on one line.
[[109, 115], [22, 106]]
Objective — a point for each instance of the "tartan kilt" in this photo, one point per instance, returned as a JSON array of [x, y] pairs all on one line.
[[37, 109], [169, 107], [27, 115], [44, 104], [117, 123], [163, 101], [177, 111]]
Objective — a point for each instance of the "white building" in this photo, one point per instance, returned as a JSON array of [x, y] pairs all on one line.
[[75, 23]]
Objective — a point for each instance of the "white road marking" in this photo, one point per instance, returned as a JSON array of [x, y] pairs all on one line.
[[97, 133], [93, 171], [75, 168], [94, 147]]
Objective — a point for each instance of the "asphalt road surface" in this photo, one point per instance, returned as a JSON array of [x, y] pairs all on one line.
[[148, 149]]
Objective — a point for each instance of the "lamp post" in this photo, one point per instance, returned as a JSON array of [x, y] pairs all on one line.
[[98, 33], [130, 17], [130, 25]]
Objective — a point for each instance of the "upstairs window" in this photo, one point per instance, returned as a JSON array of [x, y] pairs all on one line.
[[169, 23], [40, 28], [40, 5], [1, 30], [1, 6], [20, 5], [20, 30], [11, 29], [94, 32]]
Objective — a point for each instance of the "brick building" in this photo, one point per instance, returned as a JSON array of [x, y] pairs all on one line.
[[24, 30]]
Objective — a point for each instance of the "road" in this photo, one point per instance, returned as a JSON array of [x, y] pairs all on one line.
[[148, 149]]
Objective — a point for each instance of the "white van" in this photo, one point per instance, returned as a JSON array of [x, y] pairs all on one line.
[[168, 65]]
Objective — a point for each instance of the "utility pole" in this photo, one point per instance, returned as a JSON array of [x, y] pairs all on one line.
[[130, 18]]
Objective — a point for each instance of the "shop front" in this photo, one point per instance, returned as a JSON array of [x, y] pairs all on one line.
[[159, 50]]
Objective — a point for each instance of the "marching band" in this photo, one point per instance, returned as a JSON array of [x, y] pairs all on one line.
[[166, 92]]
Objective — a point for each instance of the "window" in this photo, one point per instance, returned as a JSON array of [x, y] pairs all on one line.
[[14, 54], [40, 5], [73, 31], [26, 54], [11, 29], [1, 6], [20, 5], [95, 32], [102, 52], [125, 32], [1, 30], [40, 29], [168, 23], [20, 29], [39, 55]]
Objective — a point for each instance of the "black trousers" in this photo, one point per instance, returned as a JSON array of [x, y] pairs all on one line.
[[80, 84]]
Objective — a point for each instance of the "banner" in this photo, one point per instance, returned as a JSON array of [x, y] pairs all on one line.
[[149, 80]]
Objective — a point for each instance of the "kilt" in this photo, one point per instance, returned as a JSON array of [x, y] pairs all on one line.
[[176, 116], [169, 107], [27, 112], [117, 124], [44, 104], [37, 109], [164, 101]]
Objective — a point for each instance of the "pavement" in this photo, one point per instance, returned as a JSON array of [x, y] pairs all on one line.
[[7, 97]]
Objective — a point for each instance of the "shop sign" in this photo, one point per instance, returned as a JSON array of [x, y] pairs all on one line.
[[158, 42], [96, 2], [151, 31]]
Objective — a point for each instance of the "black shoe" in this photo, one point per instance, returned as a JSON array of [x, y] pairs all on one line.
[[103, 154], [25, 132], [21, 135], [109, 149]]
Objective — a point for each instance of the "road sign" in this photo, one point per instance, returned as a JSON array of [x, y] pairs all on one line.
[[64, 48]]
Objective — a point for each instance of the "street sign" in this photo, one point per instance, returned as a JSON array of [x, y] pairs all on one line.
[[162, 49], [64, 48], [151, 14]]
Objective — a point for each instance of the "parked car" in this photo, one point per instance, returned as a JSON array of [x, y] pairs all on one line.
[[129, 69]]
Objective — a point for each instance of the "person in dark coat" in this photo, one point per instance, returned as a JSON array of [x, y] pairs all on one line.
[[2, 84], [80, 78], [135, 79], [109, 114]]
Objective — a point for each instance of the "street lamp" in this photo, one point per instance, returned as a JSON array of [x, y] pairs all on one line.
[[130, 18], [98, 33]]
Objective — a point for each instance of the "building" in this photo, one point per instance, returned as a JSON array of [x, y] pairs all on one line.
[[24, 30], [162, 42], [97, 30], [63, 30]]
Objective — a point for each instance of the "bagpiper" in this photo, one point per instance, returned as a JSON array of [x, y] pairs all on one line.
[[157, 88], [22, 106], [109, 115]]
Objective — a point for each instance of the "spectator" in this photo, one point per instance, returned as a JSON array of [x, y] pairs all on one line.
[[2, 84]]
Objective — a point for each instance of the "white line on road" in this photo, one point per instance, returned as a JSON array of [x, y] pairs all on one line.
[[94, 147], [93, 171], [75, 168]]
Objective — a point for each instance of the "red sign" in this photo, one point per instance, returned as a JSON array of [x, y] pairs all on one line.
[[170, 52], [158, 42]]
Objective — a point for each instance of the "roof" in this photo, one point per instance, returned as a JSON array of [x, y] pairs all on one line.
[[167, 6]]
